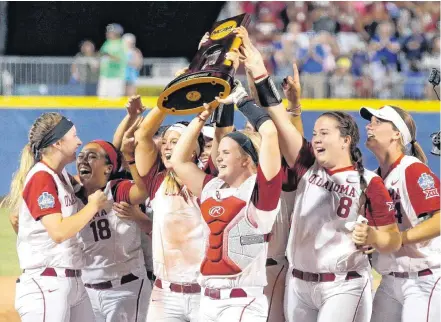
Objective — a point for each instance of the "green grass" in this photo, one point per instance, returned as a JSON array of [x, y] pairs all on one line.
[[8, 251]]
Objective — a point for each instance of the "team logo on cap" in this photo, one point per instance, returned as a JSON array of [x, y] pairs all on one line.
[[426, 182], [46, 201], [216, 211], [223, 30]]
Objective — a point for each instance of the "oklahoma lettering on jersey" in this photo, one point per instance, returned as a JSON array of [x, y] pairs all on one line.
[[112, 246], [414, 189], [178, 230], [46, 193], [239, 220], [325, 201]]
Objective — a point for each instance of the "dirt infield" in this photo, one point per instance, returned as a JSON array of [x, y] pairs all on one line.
[[7, 294]]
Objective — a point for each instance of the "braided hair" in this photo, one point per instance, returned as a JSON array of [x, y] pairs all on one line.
[[348, 127]]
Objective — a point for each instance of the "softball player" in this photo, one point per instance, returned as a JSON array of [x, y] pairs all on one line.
[[326, 268], [114, 275], [177, 237], [410, 288], [50, 255], [239, 208]]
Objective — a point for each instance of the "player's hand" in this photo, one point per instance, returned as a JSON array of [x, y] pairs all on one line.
[[236, 95], [126, 211], [291, 87], [134, 106], [242, 33], [128, 141], [204, 39], [181, 71], [249, 55], [363, 235], [234, 57], [98, 200]]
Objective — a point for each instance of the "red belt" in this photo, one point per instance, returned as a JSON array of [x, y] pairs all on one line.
[[215, 293], [180, 288], [321, 277], [49, 271], [424, 272]]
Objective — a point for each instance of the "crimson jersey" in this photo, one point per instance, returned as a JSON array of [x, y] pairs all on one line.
[[325, 201], [414, 189]]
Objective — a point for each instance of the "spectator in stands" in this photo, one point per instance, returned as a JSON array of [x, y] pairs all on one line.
[[360, 59], [134, 63], [431, 60], [415, 45], [341, 80], [311, 64], [364, 85], [85, 68], [385, 46], [113, 64], [414, 82]]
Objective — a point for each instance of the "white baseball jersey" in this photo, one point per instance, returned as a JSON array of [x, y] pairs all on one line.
[[46, 192], [178, 233], [280, 232], [238, 219], [325, 201], [112, 246], [414, 189]]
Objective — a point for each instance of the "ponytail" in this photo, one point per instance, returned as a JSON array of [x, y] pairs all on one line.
[[417, 151], [27, 161]]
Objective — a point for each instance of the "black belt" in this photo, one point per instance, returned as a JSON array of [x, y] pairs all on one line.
[[271, 262], [151, 276], [108, 284]]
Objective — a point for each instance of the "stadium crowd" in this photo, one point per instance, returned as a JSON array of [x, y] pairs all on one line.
[[349, 49]]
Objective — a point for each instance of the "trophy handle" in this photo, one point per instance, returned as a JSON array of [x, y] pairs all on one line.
[[235, 45]]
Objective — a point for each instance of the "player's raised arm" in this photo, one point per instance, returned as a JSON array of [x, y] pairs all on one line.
[[289, 137], [187, 171], [146, 151]]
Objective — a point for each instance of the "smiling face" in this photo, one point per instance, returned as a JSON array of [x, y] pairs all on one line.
[[93, 166], [169, 141], [380, 134], [206, 152], [231, 161], [69, 144], [327, 142]]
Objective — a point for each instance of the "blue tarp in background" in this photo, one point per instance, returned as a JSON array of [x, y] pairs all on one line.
[[101, 124]]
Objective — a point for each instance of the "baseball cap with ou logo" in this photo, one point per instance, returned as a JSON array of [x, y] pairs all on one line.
[[387, 113]]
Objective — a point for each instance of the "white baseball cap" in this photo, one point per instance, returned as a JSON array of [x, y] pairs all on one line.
[[388, 113], [208, 131]]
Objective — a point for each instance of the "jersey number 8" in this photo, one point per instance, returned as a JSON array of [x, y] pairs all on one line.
[[100, 229], [344, 208]]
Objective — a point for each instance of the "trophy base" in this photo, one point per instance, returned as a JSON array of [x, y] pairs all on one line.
[[187, 94]]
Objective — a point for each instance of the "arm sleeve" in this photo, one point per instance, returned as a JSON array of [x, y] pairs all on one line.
[[423, 188], [382, 209], [121, 190], [41, 195], [268, 192], [305, 159]]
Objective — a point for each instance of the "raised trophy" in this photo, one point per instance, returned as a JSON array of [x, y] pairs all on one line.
[[209, 74]]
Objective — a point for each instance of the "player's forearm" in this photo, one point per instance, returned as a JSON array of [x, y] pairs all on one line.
[[387, 241], [138, 192], [68, 227], [126, 122], [422, 232], [144, 223], [150, 124], [185, 146], [13, 219], [252, 87]]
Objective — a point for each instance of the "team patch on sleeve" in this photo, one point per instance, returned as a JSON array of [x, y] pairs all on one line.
[[427, 184], [46, 201]]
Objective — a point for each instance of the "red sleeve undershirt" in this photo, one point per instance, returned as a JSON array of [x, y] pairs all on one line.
[[267, 191], [121, 190]]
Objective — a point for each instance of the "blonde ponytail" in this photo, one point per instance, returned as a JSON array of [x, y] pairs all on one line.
[[27, 161]]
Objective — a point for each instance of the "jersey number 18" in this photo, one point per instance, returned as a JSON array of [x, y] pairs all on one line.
[[100, 229]]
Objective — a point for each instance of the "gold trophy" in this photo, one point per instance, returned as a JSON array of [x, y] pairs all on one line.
[[209, 74]]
